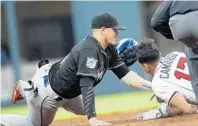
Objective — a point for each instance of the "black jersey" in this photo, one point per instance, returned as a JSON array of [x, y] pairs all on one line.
[[86, 59]]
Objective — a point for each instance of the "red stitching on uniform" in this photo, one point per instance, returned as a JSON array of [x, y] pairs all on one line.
[[171, 97]]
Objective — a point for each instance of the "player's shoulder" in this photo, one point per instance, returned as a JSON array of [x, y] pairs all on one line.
[[86, 44]]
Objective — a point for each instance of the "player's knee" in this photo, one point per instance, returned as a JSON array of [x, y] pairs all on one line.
[[81, 112], [179, 102], [187, 109]]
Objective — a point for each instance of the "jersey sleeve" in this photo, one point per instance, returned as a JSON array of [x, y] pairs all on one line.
[[86, 84], [163, 89], [160, 20], [115, 60], [87, 63]]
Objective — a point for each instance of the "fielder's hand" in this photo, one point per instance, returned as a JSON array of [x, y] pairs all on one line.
[[95, 122]]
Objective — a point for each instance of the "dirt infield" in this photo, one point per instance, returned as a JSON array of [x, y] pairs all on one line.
[[128, 119]]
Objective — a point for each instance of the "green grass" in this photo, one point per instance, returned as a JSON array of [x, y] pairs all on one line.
[[104, 104]]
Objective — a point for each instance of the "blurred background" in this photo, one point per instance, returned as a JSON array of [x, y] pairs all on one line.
[[34, 30]]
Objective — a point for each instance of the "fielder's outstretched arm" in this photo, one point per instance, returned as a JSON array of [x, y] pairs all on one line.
[[131, 78], [134, 80]]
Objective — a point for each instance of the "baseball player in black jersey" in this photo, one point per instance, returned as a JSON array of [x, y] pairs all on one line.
[[70, 82]]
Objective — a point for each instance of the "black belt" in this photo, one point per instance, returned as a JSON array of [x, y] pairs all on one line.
[[58, 99]]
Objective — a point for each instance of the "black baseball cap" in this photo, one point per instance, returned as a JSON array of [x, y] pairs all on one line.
[[107, 20]]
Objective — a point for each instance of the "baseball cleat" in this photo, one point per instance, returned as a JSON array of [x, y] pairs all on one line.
[[17, 95], [151, 114]]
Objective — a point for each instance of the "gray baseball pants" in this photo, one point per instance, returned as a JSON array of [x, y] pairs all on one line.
[[184, 28], [43, 106]]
